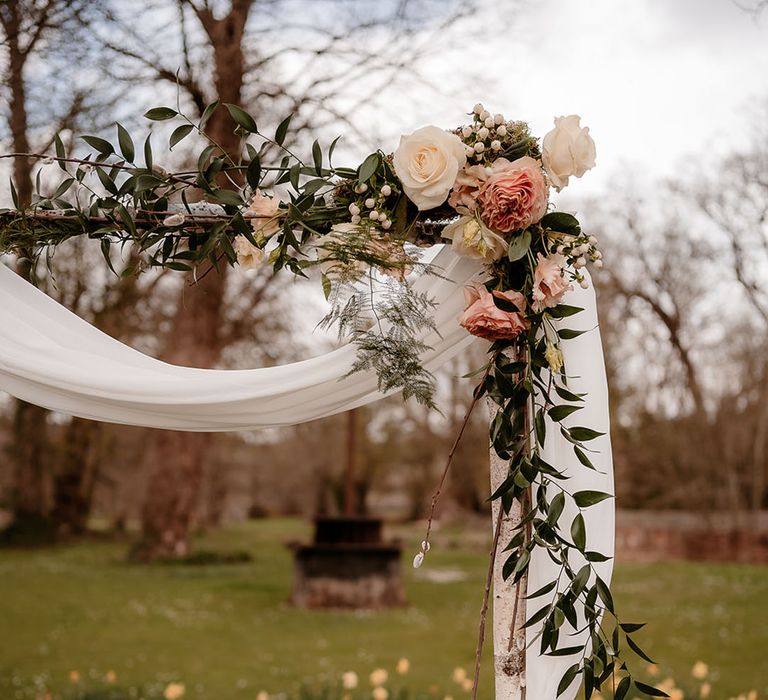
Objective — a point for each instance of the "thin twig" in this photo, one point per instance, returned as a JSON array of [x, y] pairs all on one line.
[[486, 597], [436, 495]]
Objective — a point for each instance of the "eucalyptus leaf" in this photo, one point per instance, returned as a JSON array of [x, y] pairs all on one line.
[[561, 222], [579, 532], [103, 146], [369, 166], [242, 118], [159, 114], [519, 246], [584, 499], [126, 143], [282, 130], [179, 133]]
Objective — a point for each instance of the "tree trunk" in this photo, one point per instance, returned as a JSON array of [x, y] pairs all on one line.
[[29, 448], [74, 483], [174, 487], [508, 599]]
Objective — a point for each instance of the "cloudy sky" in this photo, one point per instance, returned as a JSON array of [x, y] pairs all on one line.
[[657, 81]]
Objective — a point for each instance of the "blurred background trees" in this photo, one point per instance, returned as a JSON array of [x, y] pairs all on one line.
[[683, 297]]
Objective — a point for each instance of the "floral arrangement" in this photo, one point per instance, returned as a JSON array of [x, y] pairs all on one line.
[[485, 187]]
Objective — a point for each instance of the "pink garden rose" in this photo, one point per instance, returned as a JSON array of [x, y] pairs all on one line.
[[549, 282], [486, 320], [467, 186], [514, 196]]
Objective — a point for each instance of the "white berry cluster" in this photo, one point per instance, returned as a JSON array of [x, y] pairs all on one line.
[[487, 135], [579, 250], [374, 206]]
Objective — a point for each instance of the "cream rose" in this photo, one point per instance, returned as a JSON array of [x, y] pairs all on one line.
[[568, 150], [473, 239], [427, 163], [265, 213], [249, 256]]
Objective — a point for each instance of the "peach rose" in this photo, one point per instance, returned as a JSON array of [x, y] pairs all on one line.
[[514, 196], [467, 186], [549, 282], [265, 211], [486, 320]]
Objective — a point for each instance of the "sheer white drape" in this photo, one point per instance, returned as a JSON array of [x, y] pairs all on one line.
[[50, 357]]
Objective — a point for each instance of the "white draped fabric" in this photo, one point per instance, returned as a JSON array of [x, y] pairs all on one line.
[[51, 357]]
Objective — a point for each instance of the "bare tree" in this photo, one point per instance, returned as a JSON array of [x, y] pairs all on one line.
[[326, 62], [737, 204], [51, 33]]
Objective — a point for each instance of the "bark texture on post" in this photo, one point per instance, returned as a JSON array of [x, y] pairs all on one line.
[[508, 598]]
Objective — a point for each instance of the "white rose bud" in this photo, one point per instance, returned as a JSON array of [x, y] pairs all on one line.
[[568, 150], [592, 240], [501, 130], [466, 132], [584, 284], [354, 209], [427, 163], [478, 108], [498, 119], [374, 215], [496, 145], [489, 122], [483, 133], [361, 188], [386, 224], [599, 264], [479, 147], [355, 219], [581, 262], [469, 151], [370, 203], [484, 115], [386, 190]]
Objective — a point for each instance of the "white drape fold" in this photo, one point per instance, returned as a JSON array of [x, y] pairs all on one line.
[[51, 357]]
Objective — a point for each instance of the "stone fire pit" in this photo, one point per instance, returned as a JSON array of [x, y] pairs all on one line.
[[347, 566]]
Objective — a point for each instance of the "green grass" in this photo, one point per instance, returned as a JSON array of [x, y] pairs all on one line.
[[226, 631]]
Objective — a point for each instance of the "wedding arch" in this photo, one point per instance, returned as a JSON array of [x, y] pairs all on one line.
[[449, 241]]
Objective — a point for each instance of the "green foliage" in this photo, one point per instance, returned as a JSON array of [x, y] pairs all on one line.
[[108, 197]]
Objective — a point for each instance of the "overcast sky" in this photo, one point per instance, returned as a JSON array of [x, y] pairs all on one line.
[[655, 80]]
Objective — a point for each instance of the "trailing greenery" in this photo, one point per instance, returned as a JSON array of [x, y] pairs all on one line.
[[359, 227]]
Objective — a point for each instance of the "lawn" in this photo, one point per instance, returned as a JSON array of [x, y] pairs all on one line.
[[79, 622]]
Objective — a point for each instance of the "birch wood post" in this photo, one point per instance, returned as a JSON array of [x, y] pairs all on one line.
[[508, 598]]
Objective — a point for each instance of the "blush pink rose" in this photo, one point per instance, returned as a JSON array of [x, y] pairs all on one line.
[[549, 282], [486, 320], [514, 196], [467, 186]]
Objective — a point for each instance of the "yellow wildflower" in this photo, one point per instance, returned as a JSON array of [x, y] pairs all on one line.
[[700, 670], [378, 677], [174, 691]]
